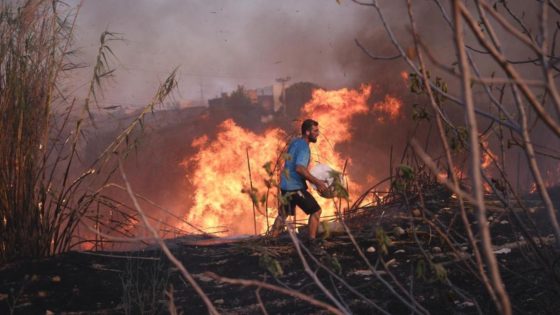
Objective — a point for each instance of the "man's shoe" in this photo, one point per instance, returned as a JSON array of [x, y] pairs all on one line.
[[316, 247]]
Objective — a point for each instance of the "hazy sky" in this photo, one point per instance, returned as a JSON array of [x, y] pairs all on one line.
[[219, 44]]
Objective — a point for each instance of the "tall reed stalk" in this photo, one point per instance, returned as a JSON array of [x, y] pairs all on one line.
[[44, 192], [32, 49]]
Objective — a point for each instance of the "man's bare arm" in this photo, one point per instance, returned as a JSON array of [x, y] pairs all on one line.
[[303, 171]]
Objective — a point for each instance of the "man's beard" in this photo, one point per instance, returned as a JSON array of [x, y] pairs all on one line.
[[312, 139]]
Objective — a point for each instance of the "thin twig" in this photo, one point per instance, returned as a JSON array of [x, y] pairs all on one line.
[[268, 286], [211, 309], [504, 304]]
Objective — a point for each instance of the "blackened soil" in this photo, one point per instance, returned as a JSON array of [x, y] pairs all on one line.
[[419, 271]]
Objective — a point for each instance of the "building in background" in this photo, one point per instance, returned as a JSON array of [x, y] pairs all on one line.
[[267, 101]]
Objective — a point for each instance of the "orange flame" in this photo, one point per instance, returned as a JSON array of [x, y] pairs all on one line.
[[533, 188], [442, 176], [87, 246], [334, 111], [220, 172], [389, 109], [487, 155], [404, 75]]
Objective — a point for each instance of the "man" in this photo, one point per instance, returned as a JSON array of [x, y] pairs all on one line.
[[293, 185]]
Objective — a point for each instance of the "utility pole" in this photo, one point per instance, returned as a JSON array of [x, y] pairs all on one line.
[[283, 81], [201, 82]]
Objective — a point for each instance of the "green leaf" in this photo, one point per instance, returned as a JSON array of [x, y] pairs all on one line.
[[440, 271], [406, 172], [268, 168], [287, 173], [383, 240], [421, 269], [285, 199], [332, 262], [272, 265]]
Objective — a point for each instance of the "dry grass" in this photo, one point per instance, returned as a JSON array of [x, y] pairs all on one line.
[[44, 192], [31, 58]]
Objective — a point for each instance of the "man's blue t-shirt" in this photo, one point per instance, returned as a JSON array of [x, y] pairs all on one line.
[[299, 153]]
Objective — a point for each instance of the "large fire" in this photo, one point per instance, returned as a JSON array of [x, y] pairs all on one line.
[[221, 174], [220, 171]]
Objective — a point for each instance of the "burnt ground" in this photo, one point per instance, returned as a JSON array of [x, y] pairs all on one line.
[[437, 277]]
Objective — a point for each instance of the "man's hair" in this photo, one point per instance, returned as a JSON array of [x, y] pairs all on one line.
[[307, 125]]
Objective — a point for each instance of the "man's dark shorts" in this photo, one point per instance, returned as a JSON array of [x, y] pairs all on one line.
[[301, 198]]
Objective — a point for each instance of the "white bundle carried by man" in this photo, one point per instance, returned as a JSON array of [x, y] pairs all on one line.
[[328, 175]]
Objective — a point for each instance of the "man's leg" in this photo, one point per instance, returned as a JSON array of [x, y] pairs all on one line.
[[286, 209], [310, 206], [314, 224]]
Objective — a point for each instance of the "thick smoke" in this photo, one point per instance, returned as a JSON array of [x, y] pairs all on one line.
[[221, 44]]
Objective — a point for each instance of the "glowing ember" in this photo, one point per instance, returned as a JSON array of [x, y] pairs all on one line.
[[533, 188], [441, 177], [404, 76], [87, 246]]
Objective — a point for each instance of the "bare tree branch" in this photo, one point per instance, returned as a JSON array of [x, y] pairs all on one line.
[[375, 57], [511, 71], [451, 171], [268, 286], [504, 304]]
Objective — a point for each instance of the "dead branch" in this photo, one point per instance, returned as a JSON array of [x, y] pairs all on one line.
[[450, 170], [260, 284], [511, 71], [530, 153], [311, 274], [259, 299], [486, 239], [415, 306], [509, 123]]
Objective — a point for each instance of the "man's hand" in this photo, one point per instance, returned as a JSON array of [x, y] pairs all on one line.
[[321, 186]]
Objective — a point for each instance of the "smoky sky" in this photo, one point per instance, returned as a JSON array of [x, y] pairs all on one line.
[[218, 45]]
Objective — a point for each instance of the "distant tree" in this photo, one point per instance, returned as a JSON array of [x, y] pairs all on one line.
[[238, 97]]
